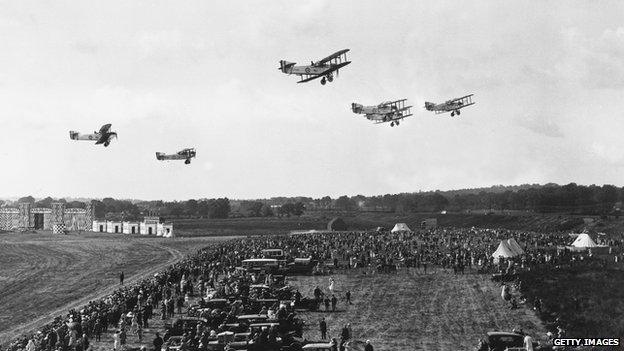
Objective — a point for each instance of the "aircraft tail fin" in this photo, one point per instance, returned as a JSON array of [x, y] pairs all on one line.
[[286, 66], [356, 108], [159, 155], [429, 105], [73, 135]]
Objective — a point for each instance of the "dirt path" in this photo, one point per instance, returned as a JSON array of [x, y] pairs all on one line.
[[31, 326]]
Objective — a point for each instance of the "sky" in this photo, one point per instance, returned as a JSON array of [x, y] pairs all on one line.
[[547, 78]]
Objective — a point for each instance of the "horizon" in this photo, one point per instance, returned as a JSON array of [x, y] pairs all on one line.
[[15, 198], [548, 83]]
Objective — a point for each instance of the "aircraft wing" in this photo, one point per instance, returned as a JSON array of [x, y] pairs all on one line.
[[332, 56], [394, 102], [309, 78], [105, 128], [313, 77], [404, 116], [464, 100]]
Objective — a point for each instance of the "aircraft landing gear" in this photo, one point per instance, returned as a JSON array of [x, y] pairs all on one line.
[[106, 143], [391, 124], [188, 162], [453, 114], [397, 123], [323, 81], [330, 78], [457, 112]]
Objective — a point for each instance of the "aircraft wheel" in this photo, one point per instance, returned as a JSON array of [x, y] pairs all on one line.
[[323, 81], [458, 112], [397, 123], [330, 78], [106, 144], [187, 162], [452, 114], [391, 124]]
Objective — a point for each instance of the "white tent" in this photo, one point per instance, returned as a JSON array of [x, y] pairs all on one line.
[[503, 250], [401, 227], [584, 240], [514, 246]]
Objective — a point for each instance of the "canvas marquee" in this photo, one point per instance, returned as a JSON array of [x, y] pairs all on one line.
[[401, 227]]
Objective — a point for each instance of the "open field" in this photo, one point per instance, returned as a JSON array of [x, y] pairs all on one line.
[[370, 220], [416, 311], [44, 275], [404, 311], [590, 301]]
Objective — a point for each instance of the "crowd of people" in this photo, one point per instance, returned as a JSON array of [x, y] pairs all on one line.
[[212, 271]]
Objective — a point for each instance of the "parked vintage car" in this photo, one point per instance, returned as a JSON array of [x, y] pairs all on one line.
[[172, 344], [182, 325], [503, 341]]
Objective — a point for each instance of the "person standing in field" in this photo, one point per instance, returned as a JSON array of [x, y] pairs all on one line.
[[116, 340], [323, 328], [368, 346], [348, 296], [528, 343], [158, 341], [121, 278], [334, 300]]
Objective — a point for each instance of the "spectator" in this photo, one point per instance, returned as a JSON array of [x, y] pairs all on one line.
[[348, 297], [323, 328], [528, 343], [334, 301], [121, 278], [158, 342], [368, 346]]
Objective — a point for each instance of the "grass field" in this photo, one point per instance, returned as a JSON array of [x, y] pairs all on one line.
[[589, 301], [371, 220], [44, 275], [416, 311]]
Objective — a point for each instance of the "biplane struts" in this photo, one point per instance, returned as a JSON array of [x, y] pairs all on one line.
[[453, 106], [389, 111], [104, 136], [324, 68]]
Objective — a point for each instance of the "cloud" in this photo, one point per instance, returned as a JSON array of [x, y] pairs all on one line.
[[611, 153], [540, 125], [595, 61], [171, 45], [85, 47]]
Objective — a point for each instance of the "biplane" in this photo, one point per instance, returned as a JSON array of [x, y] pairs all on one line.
[[185, 154], [323, 69], [452, 106], [391, 111], [104, 136]]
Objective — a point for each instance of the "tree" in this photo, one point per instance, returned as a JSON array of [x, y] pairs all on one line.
[[266, 211], [344, 203], [26, 200], [45, 203], [190, 207]]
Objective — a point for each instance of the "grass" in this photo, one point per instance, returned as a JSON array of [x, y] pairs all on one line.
[[43, 275], [414, 311], [599, 294]]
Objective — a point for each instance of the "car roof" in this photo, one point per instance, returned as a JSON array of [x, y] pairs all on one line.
[[192, 319], [317, 345], [260, 260], [249, 316], [500, 333], [263, 324]]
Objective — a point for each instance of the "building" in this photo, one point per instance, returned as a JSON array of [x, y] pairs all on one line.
[[57, 218], [130, 227], [149, 226]]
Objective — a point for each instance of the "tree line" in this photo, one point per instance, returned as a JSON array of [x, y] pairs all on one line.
[[549, 198]]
